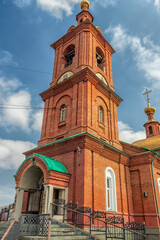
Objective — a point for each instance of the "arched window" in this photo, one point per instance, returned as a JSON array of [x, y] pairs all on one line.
[[150, 130], [101, 114], [100, 58], [111, 197], [69, 54], [63, 113]]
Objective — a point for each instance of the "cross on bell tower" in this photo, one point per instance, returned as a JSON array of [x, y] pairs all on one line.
[[151, 126], [147, 93]]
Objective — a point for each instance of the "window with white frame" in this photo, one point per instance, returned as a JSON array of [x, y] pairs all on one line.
[[159, 185], [101, 114], [111, 197], [63, 113]]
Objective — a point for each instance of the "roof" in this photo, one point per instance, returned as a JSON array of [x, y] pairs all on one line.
[[52, 164], [151, 143]]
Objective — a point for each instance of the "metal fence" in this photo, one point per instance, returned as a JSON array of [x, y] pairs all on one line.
[[34, 225], [111, 227], [6, 213]]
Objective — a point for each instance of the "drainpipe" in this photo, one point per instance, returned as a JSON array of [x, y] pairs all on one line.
[[154, 183]]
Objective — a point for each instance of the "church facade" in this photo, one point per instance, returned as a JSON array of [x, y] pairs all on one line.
[[79, 157]]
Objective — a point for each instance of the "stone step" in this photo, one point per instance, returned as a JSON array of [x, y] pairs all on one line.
[[61, 229], [33, 238], [55, 225], [69, 237], [69, 232]]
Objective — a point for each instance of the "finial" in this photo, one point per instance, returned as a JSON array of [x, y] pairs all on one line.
[[85, 5], [147, 93]]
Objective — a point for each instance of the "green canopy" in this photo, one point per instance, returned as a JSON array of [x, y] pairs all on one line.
[[50, 163]]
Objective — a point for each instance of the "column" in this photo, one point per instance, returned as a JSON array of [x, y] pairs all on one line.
[[19, 202]]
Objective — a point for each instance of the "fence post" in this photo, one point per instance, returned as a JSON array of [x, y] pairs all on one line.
[[134, 228], [144, 225], [106, 224], [76, 219], [64, 212], [90, 220], [124, 230]]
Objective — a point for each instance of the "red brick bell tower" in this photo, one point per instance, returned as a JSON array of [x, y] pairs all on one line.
[[81, 96]]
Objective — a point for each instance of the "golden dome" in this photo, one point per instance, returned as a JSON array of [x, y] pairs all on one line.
[[151, 143], [85, 2], [149, 109]]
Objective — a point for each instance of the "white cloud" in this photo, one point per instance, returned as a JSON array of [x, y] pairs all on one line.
[[11, 153], [6, 58], [127, 134], [9, 85], [11, 115], [156, 4], [16, 110], [37, 120], [17, 116], [7, 195], [56, 8], [146, 54], [22, 3]]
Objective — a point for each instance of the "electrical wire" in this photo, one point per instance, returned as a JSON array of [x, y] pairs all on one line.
[[21, 107], [26, 69], [2, 105]]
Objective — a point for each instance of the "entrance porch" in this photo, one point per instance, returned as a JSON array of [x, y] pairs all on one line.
[[40, 181]]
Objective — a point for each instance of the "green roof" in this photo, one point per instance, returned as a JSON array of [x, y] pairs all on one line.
[[51, 164]]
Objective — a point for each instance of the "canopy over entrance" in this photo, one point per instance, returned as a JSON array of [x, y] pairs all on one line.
[[51, 163], [39, 181]]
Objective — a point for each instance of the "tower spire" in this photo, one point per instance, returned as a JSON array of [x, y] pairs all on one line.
[[151, 126], [84, 14]]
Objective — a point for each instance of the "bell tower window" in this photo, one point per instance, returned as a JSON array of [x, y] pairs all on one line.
[[63, 113], [100, 58], [150, 130], [69, 55]]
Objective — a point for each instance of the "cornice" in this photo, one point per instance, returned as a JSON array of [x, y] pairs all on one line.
[[84, 141], [79, 77], [86, 25]]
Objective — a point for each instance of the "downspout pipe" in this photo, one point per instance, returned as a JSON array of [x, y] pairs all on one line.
[[154, 182]]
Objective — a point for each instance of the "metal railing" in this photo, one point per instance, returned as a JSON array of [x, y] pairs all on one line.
[[34, 225], [6, 213], [98, 222]]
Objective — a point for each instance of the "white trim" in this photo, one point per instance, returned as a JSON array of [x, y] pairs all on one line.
[[101, 114], [109, 173]]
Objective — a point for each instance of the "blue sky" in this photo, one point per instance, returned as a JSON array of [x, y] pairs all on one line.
[[28, 27]]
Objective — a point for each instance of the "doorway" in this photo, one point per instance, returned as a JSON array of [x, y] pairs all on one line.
[[32, 182], [59, 199]]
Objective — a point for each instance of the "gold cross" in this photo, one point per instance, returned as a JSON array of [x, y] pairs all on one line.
[[147, 93]]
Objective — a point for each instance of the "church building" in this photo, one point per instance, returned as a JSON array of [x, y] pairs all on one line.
[[79, 156]]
